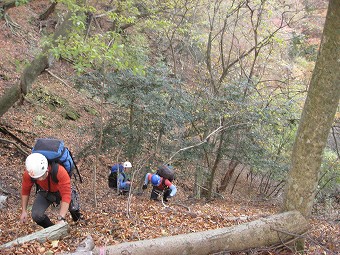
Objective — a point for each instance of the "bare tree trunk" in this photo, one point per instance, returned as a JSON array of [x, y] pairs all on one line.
[[229, 174], [232, 190], [198, 182], [276, 188], [48, 12], [267, 186], [261, 182], [260, 233], [214, 167], [250, 176], [316, 120]]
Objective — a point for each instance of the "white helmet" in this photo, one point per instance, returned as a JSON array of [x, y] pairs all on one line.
[[127, 164], [36, 165]]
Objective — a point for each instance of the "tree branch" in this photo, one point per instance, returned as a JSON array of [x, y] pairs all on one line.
[[219, 129], [18, 147]]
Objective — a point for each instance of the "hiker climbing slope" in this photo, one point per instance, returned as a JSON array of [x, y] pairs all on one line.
[[161, 182], [38, 171]]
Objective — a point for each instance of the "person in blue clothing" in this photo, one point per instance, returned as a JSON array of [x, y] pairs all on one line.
[[159, 185], [123, 182]]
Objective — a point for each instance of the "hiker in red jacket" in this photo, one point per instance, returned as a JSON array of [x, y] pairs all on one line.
[[160, 185], [48, 192]]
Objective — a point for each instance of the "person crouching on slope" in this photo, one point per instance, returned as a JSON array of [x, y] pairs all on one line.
[[123, 182], [48, 192], [160, 185]]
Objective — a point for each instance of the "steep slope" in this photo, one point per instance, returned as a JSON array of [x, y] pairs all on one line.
[[42, 114]]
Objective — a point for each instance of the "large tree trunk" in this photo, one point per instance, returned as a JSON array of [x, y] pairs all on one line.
[[54, 232], [32, 71], [317, 118], [260, 233]]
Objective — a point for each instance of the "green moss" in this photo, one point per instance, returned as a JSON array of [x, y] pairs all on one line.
[[40, 120], [70, 114], [91, 110], [42, 95]]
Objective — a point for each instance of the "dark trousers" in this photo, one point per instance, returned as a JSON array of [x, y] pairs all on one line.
[[42, 201], [39, 208], [156, 192]]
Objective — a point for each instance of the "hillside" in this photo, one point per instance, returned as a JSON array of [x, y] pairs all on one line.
[[42, 114]]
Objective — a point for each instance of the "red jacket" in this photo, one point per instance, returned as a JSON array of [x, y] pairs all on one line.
[[164, 182], [63, 185]]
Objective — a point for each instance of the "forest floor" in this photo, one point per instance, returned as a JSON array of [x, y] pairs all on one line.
[[112, 219]]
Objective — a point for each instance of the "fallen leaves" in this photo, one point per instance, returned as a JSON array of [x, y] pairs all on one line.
[[108, 223]]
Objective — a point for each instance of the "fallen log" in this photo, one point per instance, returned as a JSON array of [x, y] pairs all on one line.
[[264, 232], [54, 232]]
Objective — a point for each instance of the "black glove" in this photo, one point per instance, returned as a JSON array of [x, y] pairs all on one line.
[[145, 186]]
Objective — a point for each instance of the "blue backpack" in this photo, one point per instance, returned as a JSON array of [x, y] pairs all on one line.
[[56, 152]]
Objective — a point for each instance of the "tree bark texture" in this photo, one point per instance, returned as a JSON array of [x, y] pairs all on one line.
[[8, 99], [54, 232], [48, 12], [316, 119], [259, 233], [33, 70]]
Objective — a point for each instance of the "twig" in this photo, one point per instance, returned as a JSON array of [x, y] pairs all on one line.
[[302, 236], [7, 132], [285, 244], [232, 190], [288, 233], [187, 207], [58, 78], [18, 147], [162, 200], [161, 195], [11, 24], [131, 183]]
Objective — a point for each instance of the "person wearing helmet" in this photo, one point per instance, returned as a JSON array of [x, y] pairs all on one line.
[[127, 164], [38, 171], [120, 170], [159, 185]]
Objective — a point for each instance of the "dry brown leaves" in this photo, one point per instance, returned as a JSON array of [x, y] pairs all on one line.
[[107, 223]]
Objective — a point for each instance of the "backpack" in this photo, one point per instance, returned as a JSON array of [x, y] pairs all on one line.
[[56, 153], [167, 172], [112, 179]]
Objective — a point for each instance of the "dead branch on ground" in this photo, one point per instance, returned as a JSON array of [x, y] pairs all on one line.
[[17, 146]]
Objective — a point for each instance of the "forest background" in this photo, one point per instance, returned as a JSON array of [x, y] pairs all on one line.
[[216, 88]]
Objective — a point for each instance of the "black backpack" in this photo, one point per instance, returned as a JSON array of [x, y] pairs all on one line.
[[167, 172], [56, 153], [112, 178]]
